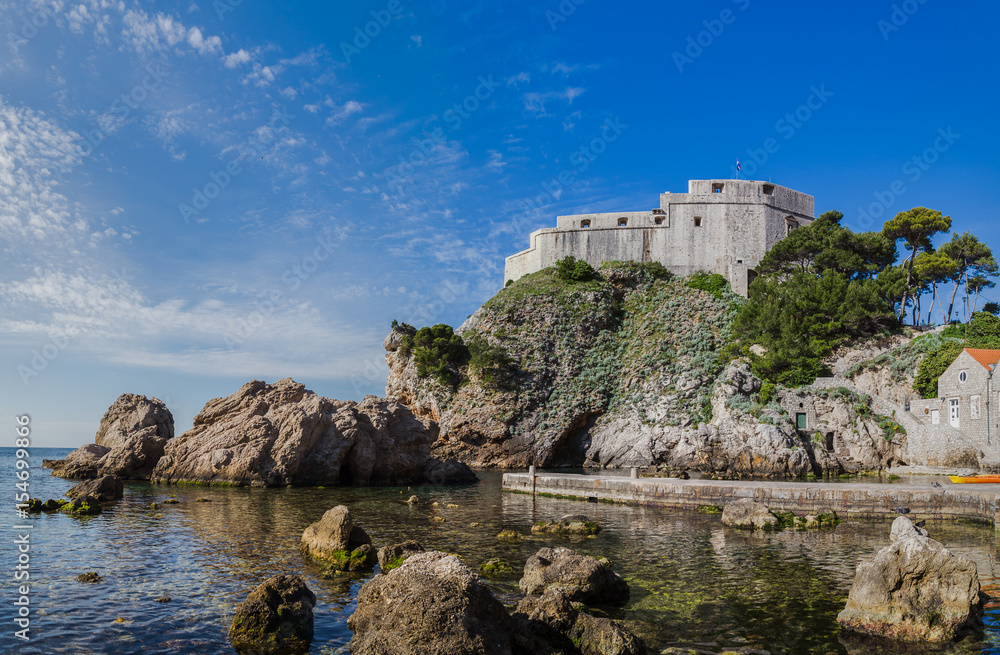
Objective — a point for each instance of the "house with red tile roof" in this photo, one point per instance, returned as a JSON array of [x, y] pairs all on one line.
[[968, 399]]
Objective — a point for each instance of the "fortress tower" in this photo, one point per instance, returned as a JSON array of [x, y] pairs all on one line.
[[718, 226]]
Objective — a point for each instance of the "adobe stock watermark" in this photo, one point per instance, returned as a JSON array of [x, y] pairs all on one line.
[[453, 118], [223, 7], [31, 27], [22, 570], [364, 35], [581, 159], [562, 12], [121, 108], [912, 170], [787, 126], [899, 17], [274, 299], [697, 44], [218, 181], [60, 340]]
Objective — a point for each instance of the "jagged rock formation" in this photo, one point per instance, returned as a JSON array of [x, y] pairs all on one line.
[[283, 434], [129, 441], [914, 590], [104, 489], [618, 372]]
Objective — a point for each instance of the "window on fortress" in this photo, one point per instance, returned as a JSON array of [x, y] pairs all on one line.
[[697, 221], [585, 224], [768, 189], [717, 188], [622, 222], [658, 220]]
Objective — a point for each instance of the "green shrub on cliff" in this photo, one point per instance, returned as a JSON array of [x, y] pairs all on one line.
[[486, 360], [714, 283], [437, 351], [571, 269]]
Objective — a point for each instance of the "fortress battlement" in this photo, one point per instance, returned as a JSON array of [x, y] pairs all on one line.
[[718, 226]]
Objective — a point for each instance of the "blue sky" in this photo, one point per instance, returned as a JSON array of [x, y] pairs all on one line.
[[196, 194]]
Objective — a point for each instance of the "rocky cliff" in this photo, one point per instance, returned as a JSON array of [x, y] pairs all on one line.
[[623, 370], [268, 435]]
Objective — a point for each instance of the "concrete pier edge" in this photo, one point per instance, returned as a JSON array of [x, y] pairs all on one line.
[[976, 502]]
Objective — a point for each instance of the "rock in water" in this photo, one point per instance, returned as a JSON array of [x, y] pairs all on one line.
[[107, 488], [748, 513], [914, 590], [552, 624], [336, 541], [581, 578], [276, 617], [431, 604], [283, 434], [391, 557], [129, 441]]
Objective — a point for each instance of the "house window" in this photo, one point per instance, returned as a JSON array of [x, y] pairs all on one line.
[[800, 421], [768, 189], [954, 417], [658, 220], [585, 223], [790, 224], [975, 413], [936, 417], [622, 222], [963, 377], [717, 188], [697, 221]]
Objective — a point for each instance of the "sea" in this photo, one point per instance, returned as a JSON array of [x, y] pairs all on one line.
[[695, 586]]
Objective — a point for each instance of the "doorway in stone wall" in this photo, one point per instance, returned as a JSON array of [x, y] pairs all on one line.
[[953, 407]]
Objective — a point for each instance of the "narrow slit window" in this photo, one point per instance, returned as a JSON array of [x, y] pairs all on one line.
[[658, 220], [717, 188], [584, 224], [697, 221], [622, 222]]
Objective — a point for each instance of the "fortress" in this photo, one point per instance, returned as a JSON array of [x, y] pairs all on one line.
[[718, 226]]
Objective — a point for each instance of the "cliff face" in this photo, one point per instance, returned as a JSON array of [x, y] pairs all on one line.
[[620, 371]]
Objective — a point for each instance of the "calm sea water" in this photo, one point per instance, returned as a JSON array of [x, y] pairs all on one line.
[[694, 585]]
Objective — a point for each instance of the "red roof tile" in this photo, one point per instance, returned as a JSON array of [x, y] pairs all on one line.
[[988, 358]]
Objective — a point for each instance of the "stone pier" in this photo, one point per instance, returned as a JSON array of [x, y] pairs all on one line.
[[977, 502]]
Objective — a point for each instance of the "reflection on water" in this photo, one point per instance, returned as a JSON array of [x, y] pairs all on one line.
[[694, 584]]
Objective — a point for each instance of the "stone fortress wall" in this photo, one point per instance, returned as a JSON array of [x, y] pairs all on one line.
[[718, 226]]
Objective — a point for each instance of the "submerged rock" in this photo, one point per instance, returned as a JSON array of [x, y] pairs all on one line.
[[338, 543], [748, 513], [128, 444], [106, 488], [914, 590], [569, 524], [82, 506], [276, 617], [432, 603], [283, 434], [90, 577], [580, 577]]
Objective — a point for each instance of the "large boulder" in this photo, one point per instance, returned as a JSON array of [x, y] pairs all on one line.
[[337, 542], [431, 604], [128, 444], [914, 590], [268, 435], [748, 513], [277, 617], [104, 489], [581, 578]]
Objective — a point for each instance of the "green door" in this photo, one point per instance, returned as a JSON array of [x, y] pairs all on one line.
[[800, 421]]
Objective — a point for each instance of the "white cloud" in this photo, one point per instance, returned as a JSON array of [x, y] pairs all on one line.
[[535, 102], [520, 78], [340, 113], [202, 44], [234, 59]]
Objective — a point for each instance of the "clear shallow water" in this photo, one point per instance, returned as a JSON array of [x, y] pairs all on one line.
[[694, 585]]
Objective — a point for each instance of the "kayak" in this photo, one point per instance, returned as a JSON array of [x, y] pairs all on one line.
[[957, 479]]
